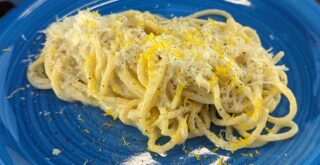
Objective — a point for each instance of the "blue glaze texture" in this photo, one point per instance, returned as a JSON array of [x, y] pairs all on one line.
[[34, 122]]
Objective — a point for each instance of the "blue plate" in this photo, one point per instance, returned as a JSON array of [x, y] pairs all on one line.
[[38, 128]]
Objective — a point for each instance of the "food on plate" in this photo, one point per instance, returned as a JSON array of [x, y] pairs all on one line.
[[174, 77]]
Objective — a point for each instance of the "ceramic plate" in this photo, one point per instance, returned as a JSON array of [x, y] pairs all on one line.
[[38, 128]]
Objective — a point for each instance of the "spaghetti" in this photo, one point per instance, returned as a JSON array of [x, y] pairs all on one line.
[[169, 77]]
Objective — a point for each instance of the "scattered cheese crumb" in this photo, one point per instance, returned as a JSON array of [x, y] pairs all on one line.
[[106, 124], [46, 113], [6, 49], [80, 118], [141, 158], [124, 142], [24, 37], [56, 152], [15, 91], [162, 154], [61, 111], [184, 149], [86, 131]]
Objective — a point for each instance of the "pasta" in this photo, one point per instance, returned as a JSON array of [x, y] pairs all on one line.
[[176, 77]]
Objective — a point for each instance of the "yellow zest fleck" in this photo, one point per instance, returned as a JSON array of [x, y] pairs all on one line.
[[90, 23], [109, 112], [219, 50], [198, 57], [245, 38], [257, 152], [150, 37], [239, 143], [176, 137], [213, 81], [192, 38], [220, 70], [163, 43], [148, 54], [178, 54]]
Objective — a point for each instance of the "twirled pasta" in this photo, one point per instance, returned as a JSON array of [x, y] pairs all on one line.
[[169, 77]]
